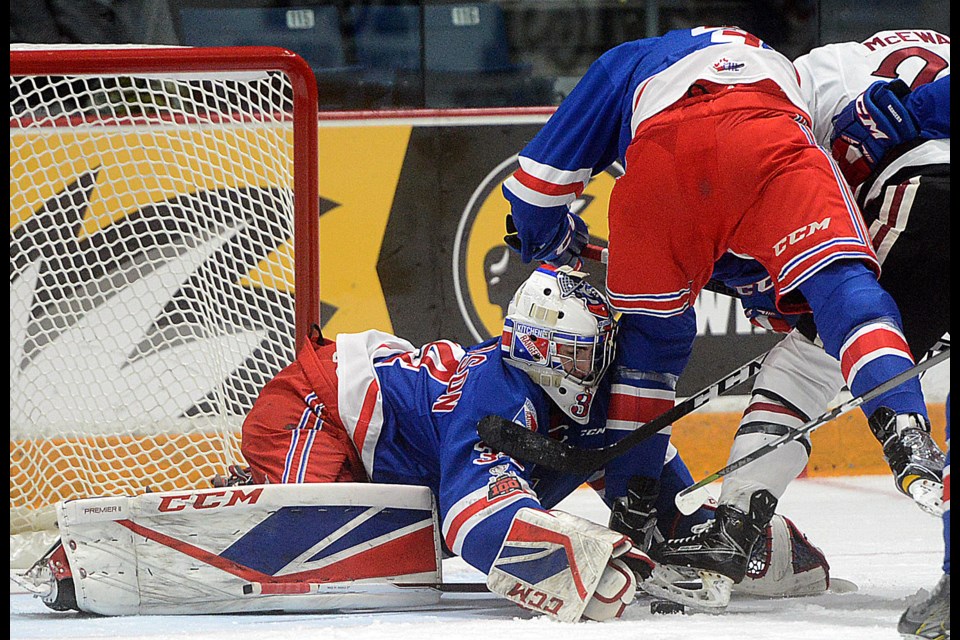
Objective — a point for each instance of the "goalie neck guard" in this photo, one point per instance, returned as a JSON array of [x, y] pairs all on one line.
[[559, 329]]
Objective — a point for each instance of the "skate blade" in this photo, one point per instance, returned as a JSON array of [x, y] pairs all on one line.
[[839, 585], [711, 595], [32, 585]]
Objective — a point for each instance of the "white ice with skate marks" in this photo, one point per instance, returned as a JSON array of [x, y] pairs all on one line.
[[870, 534]]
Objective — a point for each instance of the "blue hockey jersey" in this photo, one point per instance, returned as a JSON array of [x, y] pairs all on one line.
[[413, 414]]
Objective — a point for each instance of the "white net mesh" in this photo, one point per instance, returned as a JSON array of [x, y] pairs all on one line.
[[151, 278]]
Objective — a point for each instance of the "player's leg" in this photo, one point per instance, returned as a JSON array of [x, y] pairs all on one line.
[[795, 385], [824, 261], [659, 245], [796, 244], [293, 432], [754, 145], [909, 222], [651, 355], [799, 378], [788, 392], [781, 563], [667, 223], [859, 324]]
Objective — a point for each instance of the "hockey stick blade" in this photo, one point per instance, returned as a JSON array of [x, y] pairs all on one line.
[[519, 442], [447, 587], [690, 499]]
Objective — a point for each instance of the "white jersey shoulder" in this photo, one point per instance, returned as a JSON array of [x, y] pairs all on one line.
[[357, 380], [833, 75], [726, 63]]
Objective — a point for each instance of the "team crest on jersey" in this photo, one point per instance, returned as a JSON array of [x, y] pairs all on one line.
[[728, 65], [486, 273], [527, 416]]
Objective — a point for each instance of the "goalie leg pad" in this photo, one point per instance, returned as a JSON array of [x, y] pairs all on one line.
[[308, 547], [555, 563], [784, 563]]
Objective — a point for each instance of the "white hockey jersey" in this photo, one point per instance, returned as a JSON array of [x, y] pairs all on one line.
[[834, 74]]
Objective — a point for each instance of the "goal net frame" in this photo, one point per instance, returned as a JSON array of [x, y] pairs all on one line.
[[67, 462]]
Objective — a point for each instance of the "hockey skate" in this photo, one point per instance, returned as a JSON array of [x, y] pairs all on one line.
[[930, 617], [700, 570], [914, 458], [237, 476], [51, 580], [634, 514]]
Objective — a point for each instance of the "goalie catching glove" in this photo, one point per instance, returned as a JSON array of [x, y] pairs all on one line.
[[567, 567]]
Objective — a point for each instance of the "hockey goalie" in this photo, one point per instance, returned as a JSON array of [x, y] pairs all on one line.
[[365, 469]]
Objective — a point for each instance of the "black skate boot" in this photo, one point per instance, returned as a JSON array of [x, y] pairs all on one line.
[[722, 545], [634, 514], [716, 555], [914, 458], [929, 618]]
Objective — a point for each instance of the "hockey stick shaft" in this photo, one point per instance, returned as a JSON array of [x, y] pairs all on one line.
[[595, 252], [689, 500], [521, 443]]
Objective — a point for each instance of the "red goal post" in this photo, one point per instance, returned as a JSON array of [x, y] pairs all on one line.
[[164, 211]]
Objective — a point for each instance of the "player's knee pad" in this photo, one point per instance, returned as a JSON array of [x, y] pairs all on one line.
[[563, 566]]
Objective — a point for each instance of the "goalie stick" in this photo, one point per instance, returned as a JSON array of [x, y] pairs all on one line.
[[519, 442], [689, 499], [30, 582]]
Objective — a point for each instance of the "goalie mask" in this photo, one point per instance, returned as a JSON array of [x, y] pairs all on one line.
[[559, 329]]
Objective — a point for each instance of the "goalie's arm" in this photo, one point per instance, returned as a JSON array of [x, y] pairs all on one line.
[[493, 519], [499, 527]]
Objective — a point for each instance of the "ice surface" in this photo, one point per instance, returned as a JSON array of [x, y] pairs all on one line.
[[870, 534]]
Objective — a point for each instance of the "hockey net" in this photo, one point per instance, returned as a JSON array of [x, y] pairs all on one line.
[[158, 200]]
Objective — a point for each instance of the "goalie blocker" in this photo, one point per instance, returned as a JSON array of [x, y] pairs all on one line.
[[307, 547], [567, 567]]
